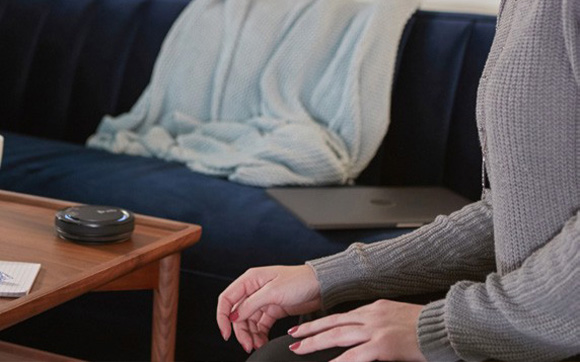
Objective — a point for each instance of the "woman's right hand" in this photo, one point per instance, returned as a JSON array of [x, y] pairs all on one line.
[[260, 296]]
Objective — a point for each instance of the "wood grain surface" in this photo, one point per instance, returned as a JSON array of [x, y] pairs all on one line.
[[165, 299], [15, 353], [69, 269]]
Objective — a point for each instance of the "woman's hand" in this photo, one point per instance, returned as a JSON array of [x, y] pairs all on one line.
[[259, 297], [384, 331]]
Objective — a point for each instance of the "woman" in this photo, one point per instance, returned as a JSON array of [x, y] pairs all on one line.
[[511, 260]]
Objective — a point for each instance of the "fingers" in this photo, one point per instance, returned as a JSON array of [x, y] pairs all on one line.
[[265, 323], [260, 324], [337, 330], [253, 303], [383, 330], [253, 332], [245, 286], [224, 308], [323, 324], [226, 302], [343, 336], [243, 335]]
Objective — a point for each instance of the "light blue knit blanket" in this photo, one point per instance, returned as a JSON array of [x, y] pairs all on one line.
[[268, 92]]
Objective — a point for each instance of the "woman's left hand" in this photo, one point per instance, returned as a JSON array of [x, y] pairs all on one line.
[[384, 331]]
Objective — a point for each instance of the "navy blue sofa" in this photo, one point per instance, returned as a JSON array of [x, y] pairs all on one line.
[[66, 63]]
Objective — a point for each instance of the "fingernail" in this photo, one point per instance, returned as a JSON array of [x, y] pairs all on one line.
[[292, 330], [234, 316], [294, 346]]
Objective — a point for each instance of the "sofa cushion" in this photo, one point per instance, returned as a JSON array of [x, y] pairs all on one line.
[[242, 226]]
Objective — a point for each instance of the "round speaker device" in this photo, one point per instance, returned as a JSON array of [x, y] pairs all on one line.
[[90, 224]]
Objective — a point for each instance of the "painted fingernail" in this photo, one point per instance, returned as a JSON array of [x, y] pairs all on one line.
[[234, 316], [294, 346], [292, 330]]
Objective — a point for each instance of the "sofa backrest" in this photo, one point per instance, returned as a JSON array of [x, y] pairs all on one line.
[[432, 138], [66, 63]]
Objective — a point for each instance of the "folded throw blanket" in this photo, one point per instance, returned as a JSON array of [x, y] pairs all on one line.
[[268, 92]]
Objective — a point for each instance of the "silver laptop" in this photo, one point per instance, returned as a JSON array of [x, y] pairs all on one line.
[[367, 207]]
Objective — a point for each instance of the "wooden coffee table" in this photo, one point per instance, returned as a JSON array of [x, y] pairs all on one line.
[[149, 260]]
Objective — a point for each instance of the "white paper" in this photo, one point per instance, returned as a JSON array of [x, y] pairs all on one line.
[[22, 277]]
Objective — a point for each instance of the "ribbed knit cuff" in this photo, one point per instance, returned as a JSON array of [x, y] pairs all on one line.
[[432, 333], [338, 279]]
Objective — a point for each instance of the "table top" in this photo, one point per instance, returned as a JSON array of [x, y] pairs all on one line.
[[68, 269]]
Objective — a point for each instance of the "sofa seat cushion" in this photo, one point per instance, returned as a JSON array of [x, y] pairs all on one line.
[[242, 226]]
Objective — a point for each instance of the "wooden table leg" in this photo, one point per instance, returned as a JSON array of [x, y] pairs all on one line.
[[165, 310]]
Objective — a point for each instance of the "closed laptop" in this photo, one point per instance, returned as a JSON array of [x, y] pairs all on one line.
[[356, 207]]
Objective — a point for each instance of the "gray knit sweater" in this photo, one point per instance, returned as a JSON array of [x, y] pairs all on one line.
[[511, 260]]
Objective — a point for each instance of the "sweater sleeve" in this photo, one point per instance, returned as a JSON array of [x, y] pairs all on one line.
[[530, 314], [432, 258], [571, 19]]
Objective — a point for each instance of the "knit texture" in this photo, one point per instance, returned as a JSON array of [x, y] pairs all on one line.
[[268, 92], [528, 306], [421, 261]]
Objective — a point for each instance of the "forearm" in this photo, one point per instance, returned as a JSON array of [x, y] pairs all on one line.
[[432, 258], [531, 314]]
